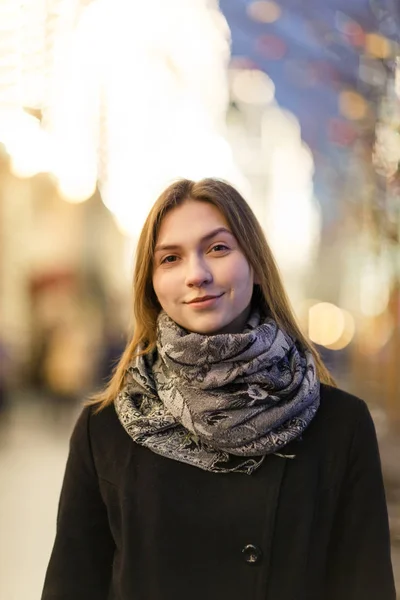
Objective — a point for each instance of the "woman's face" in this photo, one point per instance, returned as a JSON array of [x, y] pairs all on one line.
[[196, 258]]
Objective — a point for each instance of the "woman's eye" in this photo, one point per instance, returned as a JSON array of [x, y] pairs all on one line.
[[219, 247], [168, 259]]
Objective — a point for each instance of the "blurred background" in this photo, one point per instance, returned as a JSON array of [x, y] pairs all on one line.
[[102, 104]]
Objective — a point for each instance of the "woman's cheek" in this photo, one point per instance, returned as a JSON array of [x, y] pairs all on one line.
[[169, 281]]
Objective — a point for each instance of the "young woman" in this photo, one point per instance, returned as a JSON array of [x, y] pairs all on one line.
[[221, 462]]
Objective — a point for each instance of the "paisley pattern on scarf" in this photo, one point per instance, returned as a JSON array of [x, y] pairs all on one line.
[[220, 402]]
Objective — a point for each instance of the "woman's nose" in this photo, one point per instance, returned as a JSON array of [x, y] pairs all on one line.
[[198, 273]]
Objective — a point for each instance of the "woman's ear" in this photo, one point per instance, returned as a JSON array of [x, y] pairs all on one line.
[[256, 280]]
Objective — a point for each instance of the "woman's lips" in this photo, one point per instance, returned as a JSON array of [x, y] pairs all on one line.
[[208, 302]]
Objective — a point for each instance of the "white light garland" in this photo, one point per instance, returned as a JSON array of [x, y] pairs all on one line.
[[131, 96]]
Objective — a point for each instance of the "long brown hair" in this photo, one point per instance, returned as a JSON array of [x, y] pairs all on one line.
[[269, 293]]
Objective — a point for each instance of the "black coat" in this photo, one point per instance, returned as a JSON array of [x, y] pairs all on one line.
[[133, 525]]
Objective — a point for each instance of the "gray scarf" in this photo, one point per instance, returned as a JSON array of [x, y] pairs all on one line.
[[220, 402]]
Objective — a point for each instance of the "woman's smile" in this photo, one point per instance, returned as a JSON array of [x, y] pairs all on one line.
[[206, 302]]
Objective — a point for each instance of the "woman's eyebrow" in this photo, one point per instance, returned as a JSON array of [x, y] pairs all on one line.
[[205, 238]]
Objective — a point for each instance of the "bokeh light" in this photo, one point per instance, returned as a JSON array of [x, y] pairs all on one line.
[[377, 45], [352, 105], [252, 86], [26, 143], [264, 11], [326, 324], [374, 288], [271, 47], [347, 334], [351, 30]]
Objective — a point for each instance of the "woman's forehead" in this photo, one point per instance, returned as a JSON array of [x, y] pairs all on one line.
[[191, 220]]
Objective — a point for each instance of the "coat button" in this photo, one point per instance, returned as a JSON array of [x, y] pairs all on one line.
[[252, 554]]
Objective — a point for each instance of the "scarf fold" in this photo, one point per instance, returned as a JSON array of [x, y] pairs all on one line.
[[220, 402]]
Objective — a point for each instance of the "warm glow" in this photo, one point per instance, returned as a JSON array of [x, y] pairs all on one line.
[[302, 311], [310, 311], [26, 143], [375, 333], [130, 207], [130, 115], [326, 324], [75, 190], [210, 156], [377, 45], [30, 155], [352, 105], [252, 86], [75, 173], [374, 288], [292, 217], [150, 111], [325, 321], [348, 332], [264, 11]]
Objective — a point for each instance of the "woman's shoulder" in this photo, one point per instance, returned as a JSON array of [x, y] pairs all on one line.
[[95, 424], [99, 435], [92, 414], [341, 413], [334, 400]]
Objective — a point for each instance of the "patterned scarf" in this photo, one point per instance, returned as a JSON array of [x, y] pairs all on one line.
[[220, 402]]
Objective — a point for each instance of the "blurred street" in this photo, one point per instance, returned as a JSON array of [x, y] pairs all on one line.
[[33, 451]]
